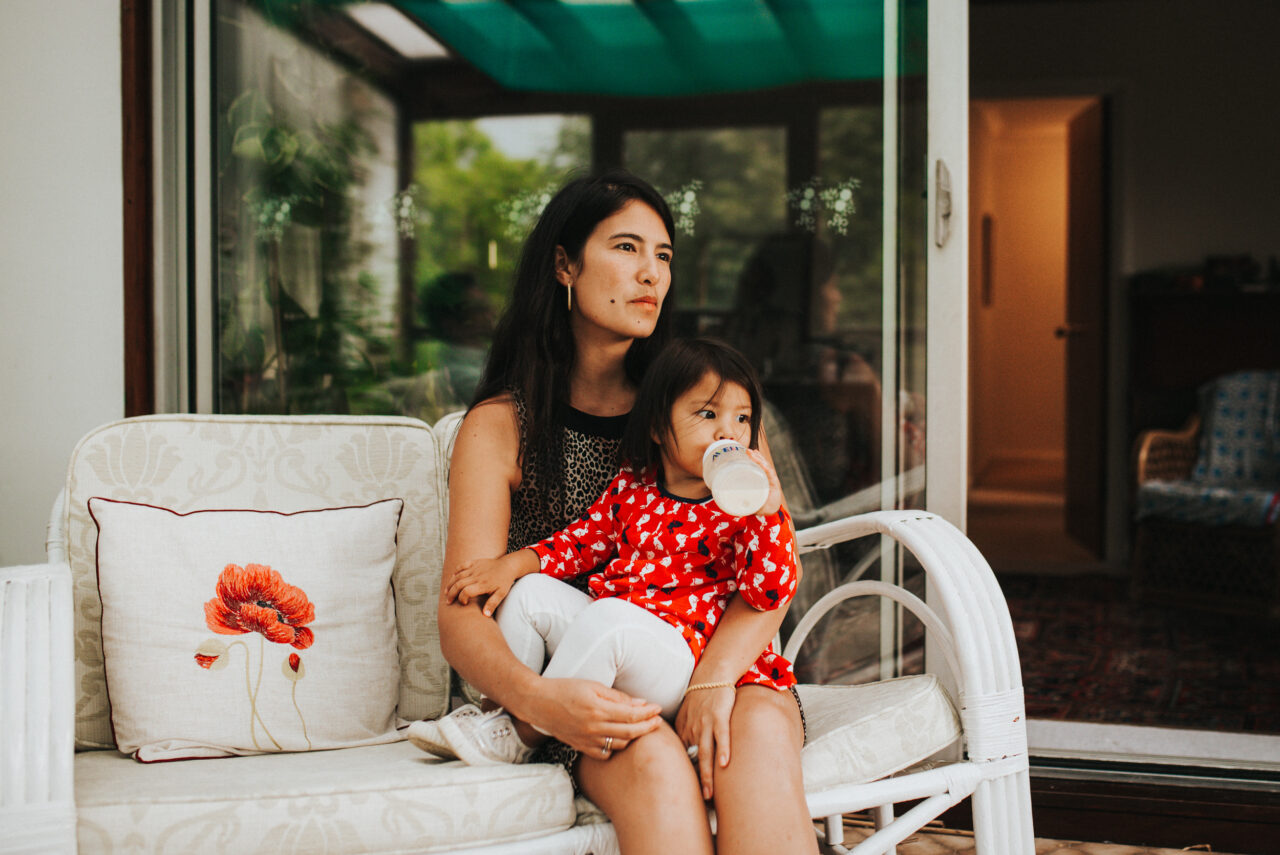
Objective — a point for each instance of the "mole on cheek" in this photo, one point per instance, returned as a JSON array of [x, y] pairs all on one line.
[[613, 301]]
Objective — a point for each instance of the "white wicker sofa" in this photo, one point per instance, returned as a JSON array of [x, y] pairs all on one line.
[[390, 797]]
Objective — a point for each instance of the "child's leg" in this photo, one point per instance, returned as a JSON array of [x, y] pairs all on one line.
[[533, 619], [534, 616], [623, 645]]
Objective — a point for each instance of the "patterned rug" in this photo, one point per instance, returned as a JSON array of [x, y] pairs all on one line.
[[1089, 654]]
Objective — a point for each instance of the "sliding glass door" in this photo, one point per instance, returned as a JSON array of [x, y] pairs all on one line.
[[373, 167]]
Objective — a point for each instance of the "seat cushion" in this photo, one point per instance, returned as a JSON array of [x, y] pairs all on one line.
[[374, 799], [860, 733], [1198, 502]]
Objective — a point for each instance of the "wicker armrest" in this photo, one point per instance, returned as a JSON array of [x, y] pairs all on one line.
[[1167, 455], [37, 810]]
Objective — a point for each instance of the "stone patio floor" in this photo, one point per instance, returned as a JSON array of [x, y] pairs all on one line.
[[947, 842]]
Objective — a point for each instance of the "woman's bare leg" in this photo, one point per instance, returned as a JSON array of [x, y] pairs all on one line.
[[759, 796], [650, 793]]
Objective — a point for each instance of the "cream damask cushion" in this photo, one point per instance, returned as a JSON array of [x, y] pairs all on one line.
[[378, 799], [236, 632], [861, 733], [281, 463]]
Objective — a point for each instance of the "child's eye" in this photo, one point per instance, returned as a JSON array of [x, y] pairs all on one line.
[[744, 419], [706, 414]]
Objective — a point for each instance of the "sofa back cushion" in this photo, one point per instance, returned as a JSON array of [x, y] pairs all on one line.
[[271, 463]]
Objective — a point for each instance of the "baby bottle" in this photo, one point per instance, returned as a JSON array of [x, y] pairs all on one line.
[[737, 482]]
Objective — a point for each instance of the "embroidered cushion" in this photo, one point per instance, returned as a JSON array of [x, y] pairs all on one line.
[[283, 463], [239, 632]]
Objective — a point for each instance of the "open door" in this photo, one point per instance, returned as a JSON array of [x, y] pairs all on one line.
[[1085, 329]]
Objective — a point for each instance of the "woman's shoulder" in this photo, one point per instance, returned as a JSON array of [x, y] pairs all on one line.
[[492, 424], [501, 409]]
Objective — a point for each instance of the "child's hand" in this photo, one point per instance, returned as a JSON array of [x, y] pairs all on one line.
[[489, 577], [774, 501]]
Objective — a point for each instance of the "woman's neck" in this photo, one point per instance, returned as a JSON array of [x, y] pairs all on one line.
[[598, 383]]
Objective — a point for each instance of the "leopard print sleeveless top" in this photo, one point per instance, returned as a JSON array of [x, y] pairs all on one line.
[[590, 446]]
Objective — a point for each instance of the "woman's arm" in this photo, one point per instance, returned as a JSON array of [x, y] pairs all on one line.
[[483, 472]]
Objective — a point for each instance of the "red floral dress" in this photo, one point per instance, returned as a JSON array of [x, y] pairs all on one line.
[[681, 559]]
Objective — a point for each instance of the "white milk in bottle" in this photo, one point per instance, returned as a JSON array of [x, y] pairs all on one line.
[[738, 484]]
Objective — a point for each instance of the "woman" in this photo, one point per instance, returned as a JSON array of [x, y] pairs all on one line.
[[538, 446]]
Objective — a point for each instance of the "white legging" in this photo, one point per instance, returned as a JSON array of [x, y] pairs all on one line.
[[608, 640]]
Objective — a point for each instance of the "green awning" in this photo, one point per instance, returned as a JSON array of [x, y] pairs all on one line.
[[659, 47]]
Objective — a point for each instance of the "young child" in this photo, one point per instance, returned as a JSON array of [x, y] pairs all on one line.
[[663, 560]]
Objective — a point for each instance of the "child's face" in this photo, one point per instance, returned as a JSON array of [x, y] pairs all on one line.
[[699, 417]]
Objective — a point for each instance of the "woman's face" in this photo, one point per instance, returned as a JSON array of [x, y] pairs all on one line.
[[621, 279]]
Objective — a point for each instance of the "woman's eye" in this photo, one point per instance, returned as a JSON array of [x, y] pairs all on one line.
[[665, 256], [627, 246]]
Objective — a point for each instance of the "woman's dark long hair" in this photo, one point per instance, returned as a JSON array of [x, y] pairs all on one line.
[[681, 366], [533, 349]]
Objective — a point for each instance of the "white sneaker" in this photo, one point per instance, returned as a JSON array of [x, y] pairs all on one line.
[[426, 735], [474, 737]]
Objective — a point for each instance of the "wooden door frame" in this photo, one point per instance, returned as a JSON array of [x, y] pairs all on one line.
[[1087, 368], [139, 205]]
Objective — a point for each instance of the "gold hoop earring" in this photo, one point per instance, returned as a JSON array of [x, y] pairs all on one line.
[[568, 289]]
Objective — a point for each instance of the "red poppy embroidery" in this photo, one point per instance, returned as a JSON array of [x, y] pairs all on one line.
[[205, 661], [294, 661], [254, 598]]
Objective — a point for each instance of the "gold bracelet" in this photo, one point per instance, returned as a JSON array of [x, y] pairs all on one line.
[[723, 684]]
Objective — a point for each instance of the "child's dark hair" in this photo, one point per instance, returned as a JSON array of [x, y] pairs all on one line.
[[676, 370]]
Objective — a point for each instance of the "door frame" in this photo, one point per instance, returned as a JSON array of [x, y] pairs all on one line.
[[947, 334]]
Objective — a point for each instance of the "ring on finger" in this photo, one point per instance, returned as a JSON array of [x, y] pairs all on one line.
[[608, 746]]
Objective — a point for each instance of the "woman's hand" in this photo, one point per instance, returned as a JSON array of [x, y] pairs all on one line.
[[774, 501], [703, 722], [590, 717]]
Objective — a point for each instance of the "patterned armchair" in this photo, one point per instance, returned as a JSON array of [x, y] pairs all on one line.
[[1208, 501]]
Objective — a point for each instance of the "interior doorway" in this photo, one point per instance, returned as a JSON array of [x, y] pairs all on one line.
[[1037, 333]]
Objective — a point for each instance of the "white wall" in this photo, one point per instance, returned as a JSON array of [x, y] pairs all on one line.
[[1197, 110], [61, 255]]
